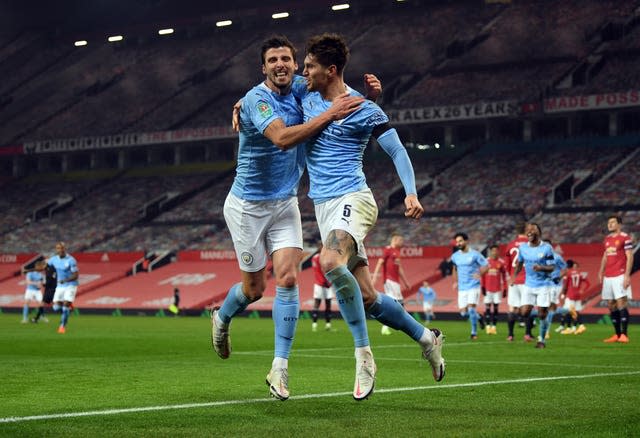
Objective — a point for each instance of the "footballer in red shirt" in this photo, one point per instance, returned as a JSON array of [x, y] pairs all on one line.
[[392, 272], [575, 285], [615, 276], [516, 283], [494, 288]]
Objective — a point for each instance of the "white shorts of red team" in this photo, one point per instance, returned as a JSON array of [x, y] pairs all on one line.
[[514, 295], [65, 292], [33, 295], [356, 213], [323, 293], [259, 228], [536, 296], [468, 297], [573, 304], [393, 289], [493, 298], [556, 290], [612, 288]]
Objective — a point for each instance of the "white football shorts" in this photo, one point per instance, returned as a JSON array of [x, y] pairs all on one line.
[[393, 289], [576, 304], [536, 296], [356, 213], [468, 297], [259, 228], [323, 293], [33, 295], [493, 298], [514, 295], [65, 292], [612, 288]]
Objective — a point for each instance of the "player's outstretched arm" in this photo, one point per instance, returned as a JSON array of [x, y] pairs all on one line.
[[390, 142]]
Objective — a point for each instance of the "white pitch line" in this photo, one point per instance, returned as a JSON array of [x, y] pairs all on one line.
[[298, 397]]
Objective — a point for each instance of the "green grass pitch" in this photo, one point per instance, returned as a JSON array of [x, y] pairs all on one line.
[[149, 376]]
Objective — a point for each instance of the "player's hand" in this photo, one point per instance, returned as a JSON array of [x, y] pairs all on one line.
[[344, 105], [536, 268], [235, 116], [372, 86], [504, 293], [626, 281], [413, 207], [484, 291], [600, 277]]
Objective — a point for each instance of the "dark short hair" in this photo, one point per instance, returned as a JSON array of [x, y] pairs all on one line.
[[493, 246], [329, 49], [617, 217], [273, 43], [570, 263], [463, 235], [520, 227]]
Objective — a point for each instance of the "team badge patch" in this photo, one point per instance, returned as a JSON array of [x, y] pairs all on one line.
[[247, 258], [264, 109]]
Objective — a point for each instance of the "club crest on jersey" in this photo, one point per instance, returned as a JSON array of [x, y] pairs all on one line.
[[247, 258], [264, 109]]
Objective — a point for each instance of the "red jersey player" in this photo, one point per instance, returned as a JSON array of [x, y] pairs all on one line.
[[392, 272], [615, 276], [494, 288], [515, 283], [574, 288], [322, 290]]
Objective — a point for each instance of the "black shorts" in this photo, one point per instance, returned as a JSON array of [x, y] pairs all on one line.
[[47, 298]]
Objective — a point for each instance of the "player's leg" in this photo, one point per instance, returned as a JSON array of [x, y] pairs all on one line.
[[317, 300], [526, 306], [609, 285], [285, 314], [327, 310], [69, 296], [487, 311], [621, 304], [25, 309], [338, 247]]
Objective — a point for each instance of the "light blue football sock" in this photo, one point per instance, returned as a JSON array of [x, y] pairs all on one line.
[[234, 303], [550, 318], [25, 312], [286, 309], [544, 328], [65, 315], [473, 320], [464, 314], [350, 303], [390, 313]]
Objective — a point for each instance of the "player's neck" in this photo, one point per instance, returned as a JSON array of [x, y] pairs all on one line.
[[281, 91], [535, 242], [334, 89]]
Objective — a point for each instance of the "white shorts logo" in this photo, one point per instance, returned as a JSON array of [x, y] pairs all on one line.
[[247, 258]]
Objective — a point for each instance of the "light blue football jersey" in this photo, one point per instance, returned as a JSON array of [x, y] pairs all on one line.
[[265, 172], [34, 276], [334, 157], [64, 267], [560, 264], [468, 265], [536, 255]]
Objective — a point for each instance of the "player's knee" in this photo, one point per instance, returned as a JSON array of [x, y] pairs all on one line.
[[329, 260], [286, 279], [369, 297]]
